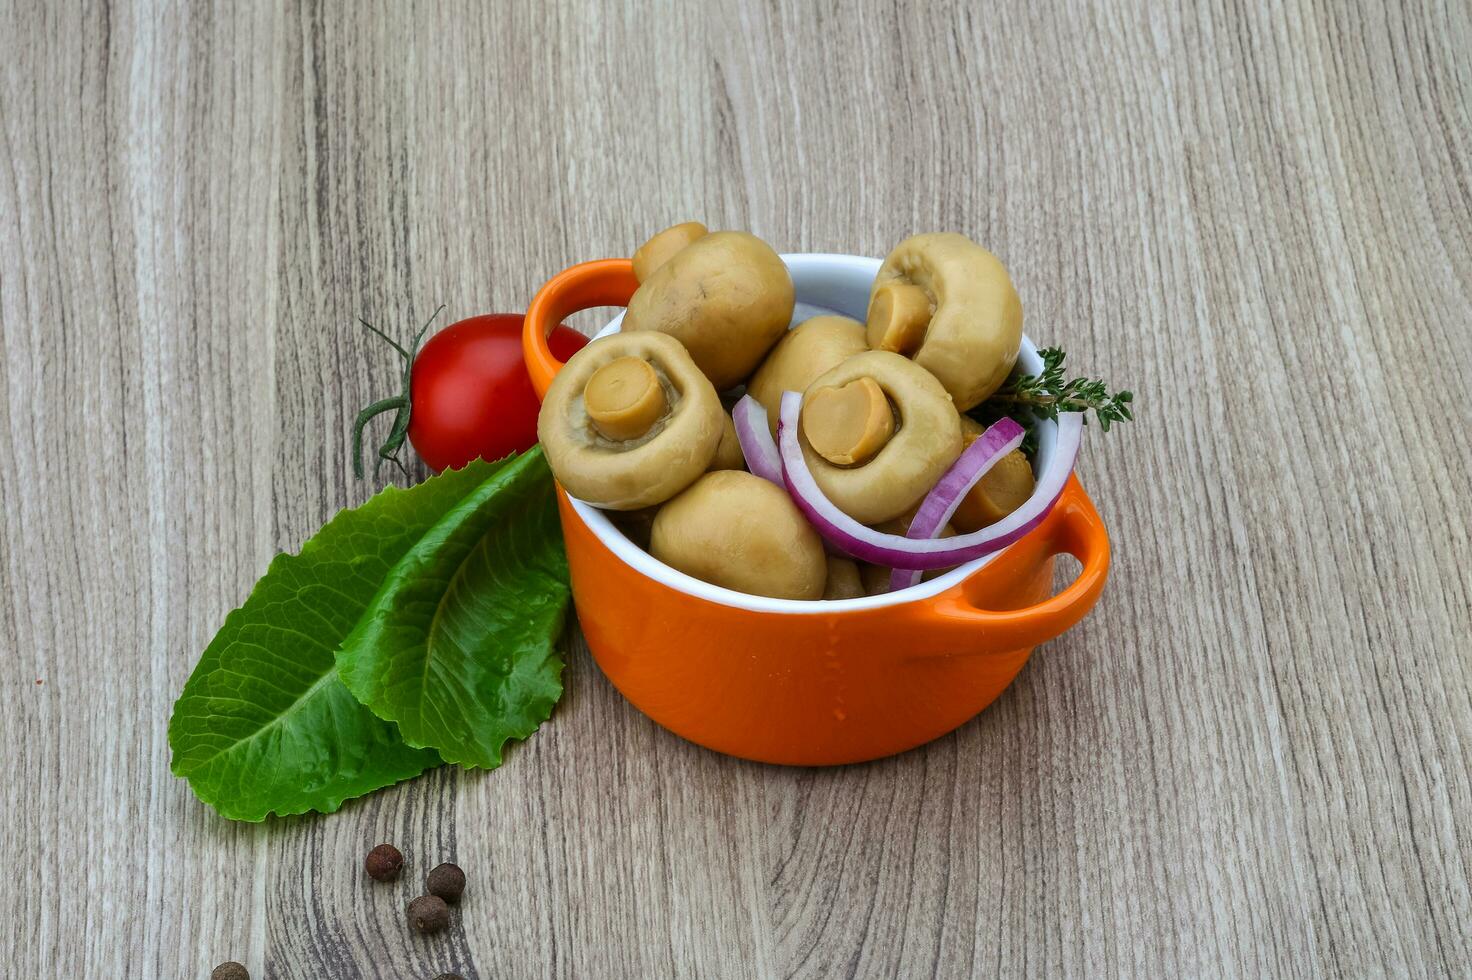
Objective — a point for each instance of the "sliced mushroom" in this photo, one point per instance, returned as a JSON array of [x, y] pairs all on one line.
[[726, 296], [843, 579], [894, 463], [657, 251], [630, 421], [1005, 487], [948, 303], [807, 350], [741, 532]]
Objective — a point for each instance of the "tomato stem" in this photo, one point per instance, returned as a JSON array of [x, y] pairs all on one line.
[[398, 402], [386, 338], [401, 404]]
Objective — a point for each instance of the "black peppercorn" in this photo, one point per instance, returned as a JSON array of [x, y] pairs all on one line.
[[429, 913], [230, 970], [384, 863], [447, 881]]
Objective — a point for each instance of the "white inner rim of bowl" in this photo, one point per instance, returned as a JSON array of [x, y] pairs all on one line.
[[824, 284]]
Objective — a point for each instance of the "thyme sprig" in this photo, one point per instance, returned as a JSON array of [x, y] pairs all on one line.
[[1030, 397], [1049, 393]]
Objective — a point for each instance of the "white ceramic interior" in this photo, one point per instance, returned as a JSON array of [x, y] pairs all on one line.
[[824, 284]]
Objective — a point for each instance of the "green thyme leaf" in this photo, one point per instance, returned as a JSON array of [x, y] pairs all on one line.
[[1030, 397]]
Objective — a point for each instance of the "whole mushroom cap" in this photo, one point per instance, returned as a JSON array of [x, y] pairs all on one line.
[[627, 474], [806, 351], [925, 442], [741, 532], [726, 296], [974, 327]]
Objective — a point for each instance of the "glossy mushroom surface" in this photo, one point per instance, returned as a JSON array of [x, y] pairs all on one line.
[[727, 297], [738, 531], [614, 451], [848, 424], [925, 439], [809, 349], [624, 398], [949, 304]]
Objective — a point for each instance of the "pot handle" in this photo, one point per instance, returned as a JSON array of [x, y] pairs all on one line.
[[1073, 526], [603, 282]]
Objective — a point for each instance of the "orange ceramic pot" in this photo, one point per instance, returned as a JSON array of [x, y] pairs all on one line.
[[810, 683]]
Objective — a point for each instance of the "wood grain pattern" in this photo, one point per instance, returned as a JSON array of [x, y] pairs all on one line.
[[1251, 760]]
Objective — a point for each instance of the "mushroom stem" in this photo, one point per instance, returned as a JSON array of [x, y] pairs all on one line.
[[898, 315], [847, 425], [624, 398]]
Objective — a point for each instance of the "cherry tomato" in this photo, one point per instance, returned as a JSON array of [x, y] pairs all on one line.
[[470, 394]]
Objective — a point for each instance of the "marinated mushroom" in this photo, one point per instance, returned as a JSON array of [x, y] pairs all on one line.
[[807, 350], [877, 432], [1005, 487], [843, 579], [726, 296], [847, 425], [657, 251], [624, 398], [728, 453], [948, 303], [630, 421], [738, 531]]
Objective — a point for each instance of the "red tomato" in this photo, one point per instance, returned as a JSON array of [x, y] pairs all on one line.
[[470, 393]]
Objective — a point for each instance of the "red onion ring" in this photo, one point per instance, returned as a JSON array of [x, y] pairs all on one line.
[[754, 433], [939, 505], [897, 551]]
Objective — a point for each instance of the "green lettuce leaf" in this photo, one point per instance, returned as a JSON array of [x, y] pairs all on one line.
[[459, 646], [264, 725]]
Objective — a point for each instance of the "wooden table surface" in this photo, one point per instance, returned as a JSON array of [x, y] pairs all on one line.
[[1251, 760]]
